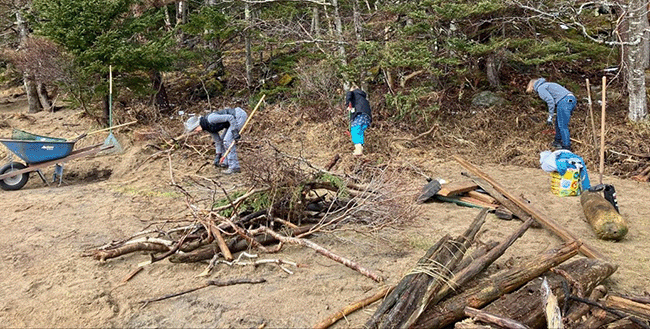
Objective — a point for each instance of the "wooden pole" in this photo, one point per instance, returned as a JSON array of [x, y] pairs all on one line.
[[602, 131], [591, 115], [241, 131], [545, 221]]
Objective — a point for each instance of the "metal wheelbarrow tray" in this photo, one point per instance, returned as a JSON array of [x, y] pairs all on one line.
[[39, 152]]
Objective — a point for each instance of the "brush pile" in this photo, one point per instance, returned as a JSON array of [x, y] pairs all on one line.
[[288, 201]]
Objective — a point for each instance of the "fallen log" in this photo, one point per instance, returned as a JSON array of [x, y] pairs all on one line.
[[606, 222], [452, 309], [432, 270], [526, 304], [547, 222]]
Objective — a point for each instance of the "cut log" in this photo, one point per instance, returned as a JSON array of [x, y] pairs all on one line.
[[432, 270], [525, 305], [452, 309], [547, 222], [602, 216], [457, 188]]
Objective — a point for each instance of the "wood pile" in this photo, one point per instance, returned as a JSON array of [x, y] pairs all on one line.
[[551, 290]]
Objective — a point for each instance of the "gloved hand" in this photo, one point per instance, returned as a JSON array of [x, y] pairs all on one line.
[[549, 121], [235, 134]]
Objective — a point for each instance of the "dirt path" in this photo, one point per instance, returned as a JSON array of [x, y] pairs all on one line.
[[47, 283]]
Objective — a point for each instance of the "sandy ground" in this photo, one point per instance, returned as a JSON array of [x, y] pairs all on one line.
[[46, 282]]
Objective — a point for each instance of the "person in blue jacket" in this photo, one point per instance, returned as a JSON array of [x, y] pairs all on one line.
[[360, 117], [560, 101]]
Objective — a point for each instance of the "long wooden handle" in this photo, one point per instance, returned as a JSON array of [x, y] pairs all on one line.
[[241, 131], [602, 131], [76, 139]]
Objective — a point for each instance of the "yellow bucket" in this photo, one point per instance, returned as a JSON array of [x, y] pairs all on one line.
[[567, 184]]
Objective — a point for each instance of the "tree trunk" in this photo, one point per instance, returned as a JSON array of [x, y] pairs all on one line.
[[492, 67], [315, 21], [338, 25], [43, 97], [29, 81], [636, 59], [452, 309], [247, 41], [161, 100], [181, 18]]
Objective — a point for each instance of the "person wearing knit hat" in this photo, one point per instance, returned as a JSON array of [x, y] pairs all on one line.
[[224, 127]]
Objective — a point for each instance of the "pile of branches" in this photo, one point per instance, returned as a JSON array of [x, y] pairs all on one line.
[[288, 200]]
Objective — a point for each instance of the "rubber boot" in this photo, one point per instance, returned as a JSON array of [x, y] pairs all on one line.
[[358, 149]]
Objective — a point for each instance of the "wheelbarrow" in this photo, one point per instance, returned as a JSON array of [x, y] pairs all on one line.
[[39, 152]]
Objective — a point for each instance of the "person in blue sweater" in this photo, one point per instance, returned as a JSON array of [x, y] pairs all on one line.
[[560, 101], [360, 117]]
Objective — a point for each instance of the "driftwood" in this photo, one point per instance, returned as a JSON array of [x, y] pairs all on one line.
[[628, 306], [466, 274], [604, 315], [576, 313], [103, 255], [330, 320], [596, 319], [207, 284], [322, 251], [526, 304], [491, 318], [606, 222], [431, 271], [547, 222], [452, 309]]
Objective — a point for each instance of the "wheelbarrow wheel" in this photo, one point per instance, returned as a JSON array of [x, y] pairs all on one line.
[[16, 182]]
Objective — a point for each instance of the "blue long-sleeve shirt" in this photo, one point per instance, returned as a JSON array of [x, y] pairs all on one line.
[[551, 93]]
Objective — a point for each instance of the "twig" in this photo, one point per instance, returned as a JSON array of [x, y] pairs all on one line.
[[207, 284], [322, 251]]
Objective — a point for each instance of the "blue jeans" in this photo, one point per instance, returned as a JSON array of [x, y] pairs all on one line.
[[358, 128], [564, 108]]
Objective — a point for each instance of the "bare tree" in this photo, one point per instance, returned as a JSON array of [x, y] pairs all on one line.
[[635, 57], [29, 80]]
